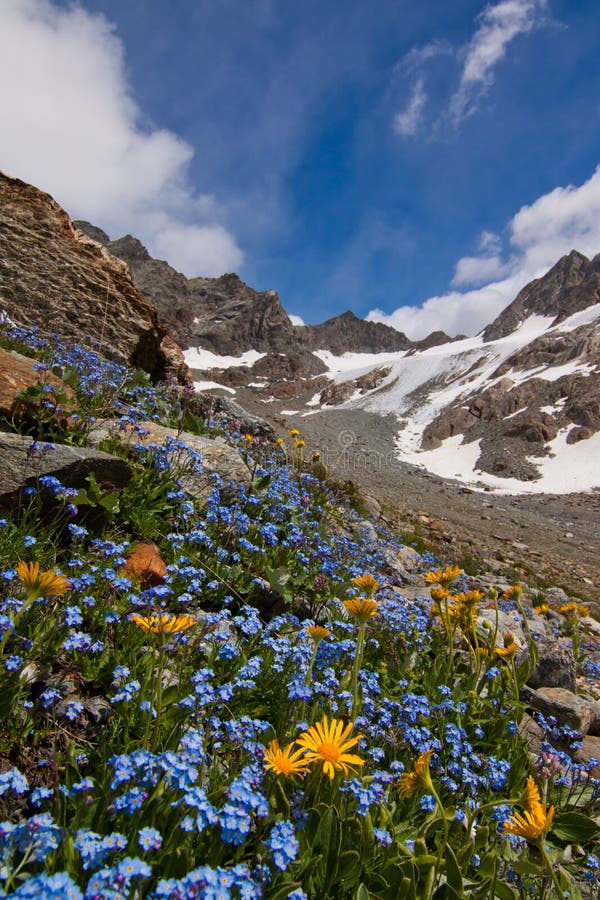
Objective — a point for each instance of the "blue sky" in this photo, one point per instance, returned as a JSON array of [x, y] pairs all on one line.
[[417, 162]]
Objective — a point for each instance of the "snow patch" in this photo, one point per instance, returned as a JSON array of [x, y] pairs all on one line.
[[199, 358], [583, 317], [570, 468], [210, 385]]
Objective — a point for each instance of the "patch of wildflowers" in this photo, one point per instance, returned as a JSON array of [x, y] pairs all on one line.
[[59, 886]]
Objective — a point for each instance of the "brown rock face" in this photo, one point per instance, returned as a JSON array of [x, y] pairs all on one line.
[[16, 375], [52, 276]]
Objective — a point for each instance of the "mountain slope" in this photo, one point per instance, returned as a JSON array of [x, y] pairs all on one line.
[[505, 411], [570, 285]]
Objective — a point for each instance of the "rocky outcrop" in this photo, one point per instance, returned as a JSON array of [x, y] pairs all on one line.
[[530, 400], [571, 285], [436, 339], [230, 318], [217, 456], [166, 288], [221, 314], [334, 394], [23, 462], [54, 277], [229, 413], [349, 334], [19, 373], [579, 713]]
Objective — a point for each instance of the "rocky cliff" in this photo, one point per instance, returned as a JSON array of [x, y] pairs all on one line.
[[570, 285], [54, 277]]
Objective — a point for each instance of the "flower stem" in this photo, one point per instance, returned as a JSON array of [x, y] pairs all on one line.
[[550, 867], [360, 641]]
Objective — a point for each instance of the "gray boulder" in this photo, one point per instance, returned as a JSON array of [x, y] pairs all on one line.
[[23, 461], [556, 666], [579, 713], [218, 457]]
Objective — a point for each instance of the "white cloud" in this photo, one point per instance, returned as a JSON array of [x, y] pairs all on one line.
[[416, 57], [490, 241], [498, 26], [477, 269], [206, 249], [473, 270], [72, 128], [455, 312], [407, 123], [565, 219]]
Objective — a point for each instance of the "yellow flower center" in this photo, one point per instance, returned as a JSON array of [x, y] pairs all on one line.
[[329, 752]]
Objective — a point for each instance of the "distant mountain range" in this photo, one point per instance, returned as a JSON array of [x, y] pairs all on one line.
[[228, 317], [517, 402]]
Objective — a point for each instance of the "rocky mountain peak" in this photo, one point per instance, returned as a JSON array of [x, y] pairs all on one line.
[[347, 332], [129, 247], [572, 284], [92, 231]]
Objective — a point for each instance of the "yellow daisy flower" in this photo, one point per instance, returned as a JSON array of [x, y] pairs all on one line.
[[317, 632], [164, 623], [328, 743], [535, 820], [513, 592], [510, 646], [418, 777], [294, 433], [541, 607], [284, 760], [361, 608], [443, 577], [41, 584], [568, 608], [366, 583]]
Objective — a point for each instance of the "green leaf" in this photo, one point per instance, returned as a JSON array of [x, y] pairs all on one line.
[[574, 826], [361, 893], [327, 841], [278, 578], [348, 868], [504, 892], [525, 867], [445, 892], [488, 865], [284, 891], [453, 872]]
